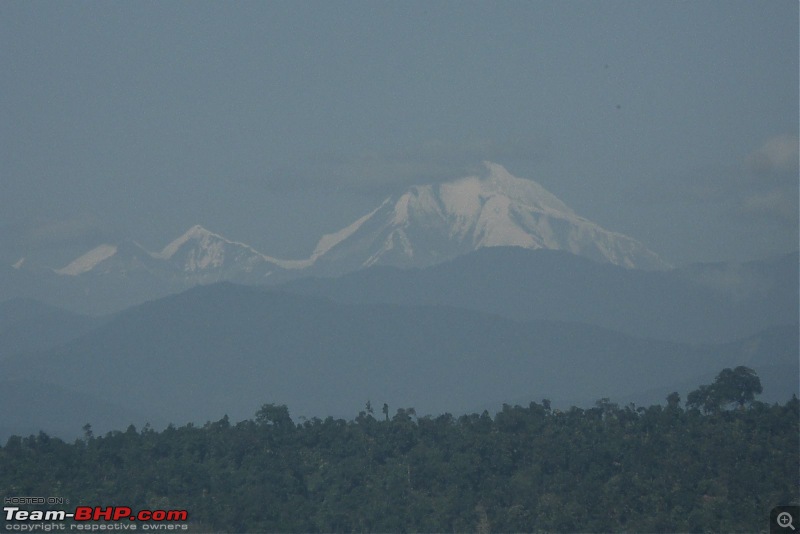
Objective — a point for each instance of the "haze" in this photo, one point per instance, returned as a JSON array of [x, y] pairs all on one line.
[[273, 123]]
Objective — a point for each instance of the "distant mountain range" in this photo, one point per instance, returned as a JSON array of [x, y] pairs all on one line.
[[704, 303], [28, 325], [424, 226], [227, 349], [198, 255], [448, 298]]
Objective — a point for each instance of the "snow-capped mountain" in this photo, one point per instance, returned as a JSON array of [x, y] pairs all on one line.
[[201, 253], [432, 223], [427, 224], [197, 256], [118, 258]]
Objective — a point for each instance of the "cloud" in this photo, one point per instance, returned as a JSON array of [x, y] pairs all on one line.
[[779, 203], [53, 241], [81, 229], [771, 187], [386, 171], [777, 156], [761, 187]]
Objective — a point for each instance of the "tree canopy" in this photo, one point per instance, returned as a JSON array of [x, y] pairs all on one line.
[[737, 386], [527, 468]]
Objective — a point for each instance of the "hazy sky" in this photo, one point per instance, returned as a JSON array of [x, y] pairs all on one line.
[[273, 122]]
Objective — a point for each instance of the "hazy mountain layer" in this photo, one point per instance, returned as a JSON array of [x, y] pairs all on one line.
[[227, 349], [28, 325], [713, 303], [424, 226]]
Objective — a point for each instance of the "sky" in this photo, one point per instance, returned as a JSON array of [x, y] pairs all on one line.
[[273, 123]]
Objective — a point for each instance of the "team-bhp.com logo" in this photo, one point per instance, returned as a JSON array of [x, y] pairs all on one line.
[[93, 518]]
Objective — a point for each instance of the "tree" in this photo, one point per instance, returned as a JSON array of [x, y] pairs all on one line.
[[739, 385], [274, 415], [704, 397], [674, 400]]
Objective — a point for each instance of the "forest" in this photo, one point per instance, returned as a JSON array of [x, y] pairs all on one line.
[[718, 462]]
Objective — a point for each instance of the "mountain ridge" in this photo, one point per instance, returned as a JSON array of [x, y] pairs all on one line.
[[425, 225], [225, 348], [679, 305], [429, 224]]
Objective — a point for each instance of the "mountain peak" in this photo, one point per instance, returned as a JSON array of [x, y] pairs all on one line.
[[200, 250], [198, 231], [523, 190], [195, 233], [431, 223], [425, 225]]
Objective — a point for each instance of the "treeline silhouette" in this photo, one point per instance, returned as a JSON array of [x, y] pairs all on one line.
[[720, 464]]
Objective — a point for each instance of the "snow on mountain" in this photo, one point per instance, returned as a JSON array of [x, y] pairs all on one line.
[[425, 225], [201, 251], [328, 241], [123, 257], [431, 223], [89, 261], [197, 256]]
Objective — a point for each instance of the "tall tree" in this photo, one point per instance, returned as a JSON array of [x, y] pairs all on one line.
[[739, 385]]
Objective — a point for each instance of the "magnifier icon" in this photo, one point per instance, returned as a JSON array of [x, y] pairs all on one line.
[[785, 520]]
